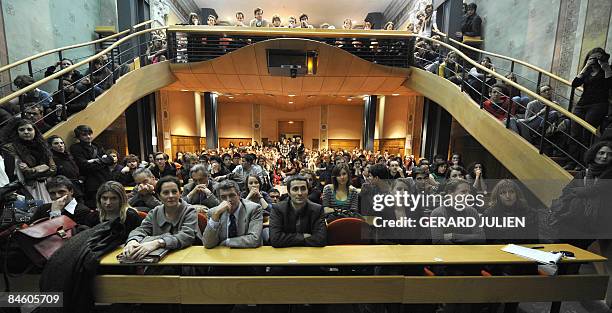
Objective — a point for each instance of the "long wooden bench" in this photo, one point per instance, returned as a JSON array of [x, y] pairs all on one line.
[[350, 289]]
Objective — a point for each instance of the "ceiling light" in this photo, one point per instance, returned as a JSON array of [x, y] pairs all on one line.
[[290, 102], [291, 95], [184, 90], [349, 99], [231, 97], [395, 94], [290, 122]]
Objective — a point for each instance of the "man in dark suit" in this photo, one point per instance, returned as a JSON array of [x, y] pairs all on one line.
[[235, 222], [297, 221], [61, 190]]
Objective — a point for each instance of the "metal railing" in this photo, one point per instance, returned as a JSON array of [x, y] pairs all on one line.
[[118, 59]]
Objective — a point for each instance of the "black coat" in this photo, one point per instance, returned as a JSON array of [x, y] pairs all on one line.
[[96, 173], [82, 214], [285, 231], [169, 170], [73, 267], [66, 165]]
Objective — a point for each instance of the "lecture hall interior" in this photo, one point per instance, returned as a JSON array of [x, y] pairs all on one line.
[[306, 156]]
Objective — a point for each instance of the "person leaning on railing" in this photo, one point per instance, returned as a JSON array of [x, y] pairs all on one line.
[[593, 106]]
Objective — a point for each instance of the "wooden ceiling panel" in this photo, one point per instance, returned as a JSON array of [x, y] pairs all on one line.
[[209, 81], [181, 67], [271, 84], [291, 85], [243, 61], [360, 67], [380, 70], [223, 65], [340, 63], [188, 80], [231, 82], [391, 84], [352, 84], [202, 67], [371, 84], [311, 84], [251, 83], [332, 84], [243, 74]]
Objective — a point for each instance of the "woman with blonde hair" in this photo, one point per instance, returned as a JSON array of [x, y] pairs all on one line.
[[112, 203]]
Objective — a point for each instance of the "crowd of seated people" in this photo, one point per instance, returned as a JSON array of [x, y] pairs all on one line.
[[229, 187]]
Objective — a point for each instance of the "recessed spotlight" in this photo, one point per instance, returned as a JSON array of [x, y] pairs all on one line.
[[184, 90], [395, 94], [349, 99], [291, 95], [290, 102], [231, 97], [290, 122]]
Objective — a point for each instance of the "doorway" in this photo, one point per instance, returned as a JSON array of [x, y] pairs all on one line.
[[290, 129]]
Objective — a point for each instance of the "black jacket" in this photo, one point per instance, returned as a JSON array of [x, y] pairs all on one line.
[[66, 165], [82, 214], [287, 228], [73, 267], [471, 26], [95, 173], [169, 170]]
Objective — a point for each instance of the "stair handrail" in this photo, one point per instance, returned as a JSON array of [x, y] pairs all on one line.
[[44, 53], [534, 95], [523, 63], [76, 65]]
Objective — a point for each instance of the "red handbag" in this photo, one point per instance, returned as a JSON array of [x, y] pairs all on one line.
[[41, 239]]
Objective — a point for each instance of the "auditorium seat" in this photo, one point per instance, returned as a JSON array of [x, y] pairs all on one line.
[[347, 231]]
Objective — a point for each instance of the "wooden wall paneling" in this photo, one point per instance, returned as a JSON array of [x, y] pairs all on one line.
[[224, 142], [188, 80], [391, 84], [185, 144], [392, 145], [261, 59], [343, 144]]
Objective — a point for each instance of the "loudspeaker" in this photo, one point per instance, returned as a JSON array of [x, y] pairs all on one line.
[[376, 18]]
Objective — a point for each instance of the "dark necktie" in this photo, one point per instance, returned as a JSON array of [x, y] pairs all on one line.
[[232, 231]]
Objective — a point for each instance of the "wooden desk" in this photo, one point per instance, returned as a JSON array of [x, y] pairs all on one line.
[[349, 289], [355, 255]]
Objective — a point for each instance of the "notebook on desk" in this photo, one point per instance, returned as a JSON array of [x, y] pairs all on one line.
[[533, 254], [153, 257]]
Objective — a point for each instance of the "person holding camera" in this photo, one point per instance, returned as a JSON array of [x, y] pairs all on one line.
[[596, 80], [92, 162]]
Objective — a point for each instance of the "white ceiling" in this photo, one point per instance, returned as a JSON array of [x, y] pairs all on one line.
[[319, 11]]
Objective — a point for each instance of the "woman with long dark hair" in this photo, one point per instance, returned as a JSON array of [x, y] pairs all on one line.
[[65, 163], [596, 80], [340, 195], [27, 157]]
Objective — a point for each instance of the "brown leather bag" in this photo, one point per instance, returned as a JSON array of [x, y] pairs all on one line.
[[41, 239]]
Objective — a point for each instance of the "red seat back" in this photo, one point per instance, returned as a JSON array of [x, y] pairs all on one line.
[[202, 221], [347, 231]]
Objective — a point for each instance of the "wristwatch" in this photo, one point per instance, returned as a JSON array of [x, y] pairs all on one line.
[[161, 242]]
